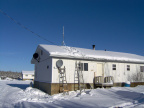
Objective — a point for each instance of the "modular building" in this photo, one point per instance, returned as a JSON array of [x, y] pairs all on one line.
[[122, 67], [28, 75]]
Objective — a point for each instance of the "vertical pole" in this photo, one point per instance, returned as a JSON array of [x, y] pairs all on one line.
[[63, 37]]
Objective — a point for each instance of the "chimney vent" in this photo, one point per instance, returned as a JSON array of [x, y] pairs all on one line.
[[93, 47]]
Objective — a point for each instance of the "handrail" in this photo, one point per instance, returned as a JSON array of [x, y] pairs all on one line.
[[98, 79], [101, 79], [108, 79]]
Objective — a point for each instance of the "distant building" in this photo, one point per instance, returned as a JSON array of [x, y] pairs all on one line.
[[28, 75], [90, 66]]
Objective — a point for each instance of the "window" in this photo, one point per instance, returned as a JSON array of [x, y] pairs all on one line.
[[83, 66], [141, 68], [114, 67], [26, 75], [80, 66], [32, 75], [128, 67]]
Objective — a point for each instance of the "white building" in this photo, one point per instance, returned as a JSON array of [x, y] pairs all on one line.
[[122, 66], [28, 75]]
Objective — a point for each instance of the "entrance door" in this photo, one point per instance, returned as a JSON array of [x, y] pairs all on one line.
[[99, 69]]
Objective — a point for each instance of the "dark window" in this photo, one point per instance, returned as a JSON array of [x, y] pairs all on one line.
[[128, 67], [141, 68], [85, 66], [80, 66], [114, 67]]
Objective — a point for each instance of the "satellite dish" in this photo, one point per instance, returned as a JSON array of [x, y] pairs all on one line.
[[59, 63], [35, 55]]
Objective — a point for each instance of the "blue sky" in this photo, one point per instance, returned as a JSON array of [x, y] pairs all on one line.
[[115, 25]]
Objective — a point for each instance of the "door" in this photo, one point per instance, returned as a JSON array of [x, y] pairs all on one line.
[[99, 69], [99, 74]]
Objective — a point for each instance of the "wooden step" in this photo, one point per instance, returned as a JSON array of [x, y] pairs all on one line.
[[66, 90]]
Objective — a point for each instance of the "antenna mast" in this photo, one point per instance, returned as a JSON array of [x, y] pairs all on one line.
[[63, 43]]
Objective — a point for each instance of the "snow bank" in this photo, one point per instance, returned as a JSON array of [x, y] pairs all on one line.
[[13, 96], [35, 95]]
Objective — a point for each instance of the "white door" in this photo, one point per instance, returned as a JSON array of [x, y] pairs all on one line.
[[99, 69]]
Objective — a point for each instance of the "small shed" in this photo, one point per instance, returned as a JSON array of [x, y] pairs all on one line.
[[88, 65], [28, 75]]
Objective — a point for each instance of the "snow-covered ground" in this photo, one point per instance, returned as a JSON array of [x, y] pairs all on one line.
[[18, 94]]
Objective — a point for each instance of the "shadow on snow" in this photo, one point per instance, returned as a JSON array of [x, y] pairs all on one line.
[[21, 86]]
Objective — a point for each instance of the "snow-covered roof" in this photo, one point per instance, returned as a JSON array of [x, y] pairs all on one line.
[[90, 54], [28, 72]]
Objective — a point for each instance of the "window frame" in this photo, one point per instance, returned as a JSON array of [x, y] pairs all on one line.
[[80, 66], [128, 67], [114, 67], [83, 66], [141, 68], [26, 74]]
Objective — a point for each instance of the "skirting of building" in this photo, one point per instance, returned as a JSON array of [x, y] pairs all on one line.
[[53, 88]]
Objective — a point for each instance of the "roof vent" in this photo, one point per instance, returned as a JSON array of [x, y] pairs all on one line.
[[93, 47], [36, 56]]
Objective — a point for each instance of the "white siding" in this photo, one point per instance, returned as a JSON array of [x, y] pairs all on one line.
[[120, 74], [42, 73], [43, 69], [46, 70], [27, 75], [70, 69]]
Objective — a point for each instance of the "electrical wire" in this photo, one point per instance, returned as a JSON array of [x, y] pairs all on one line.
[[32, 31], [27, 28]]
